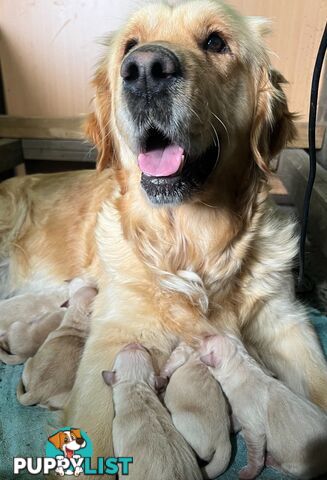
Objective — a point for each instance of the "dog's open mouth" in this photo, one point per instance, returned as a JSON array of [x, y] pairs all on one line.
[[160, 157], [169, 173], [69, 453]]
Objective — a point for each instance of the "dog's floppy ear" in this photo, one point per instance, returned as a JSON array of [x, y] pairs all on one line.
[[210, 359], [273, 124], [76, 432], [56, 439], [160, 382], [109, 377], [98, 124]]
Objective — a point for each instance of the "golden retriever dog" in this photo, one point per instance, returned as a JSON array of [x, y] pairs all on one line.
[[139, 414], [174, 226], [49, 375], [279, 427], [198, 408]]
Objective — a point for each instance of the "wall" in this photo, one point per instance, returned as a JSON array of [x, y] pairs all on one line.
[[49, 48]]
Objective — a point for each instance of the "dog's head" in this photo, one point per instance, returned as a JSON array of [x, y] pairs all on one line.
[[186, 100], [133, 364], [68, 441]]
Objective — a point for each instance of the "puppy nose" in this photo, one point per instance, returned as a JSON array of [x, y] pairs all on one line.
[[150, 70], [80, 441]]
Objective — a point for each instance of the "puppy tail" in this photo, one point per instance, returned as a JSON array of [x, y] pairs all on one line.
[[218, 463], [10, 359]]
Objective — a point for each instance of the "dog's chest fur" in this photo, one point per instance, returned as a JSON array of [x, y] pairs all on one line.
[[193, 277]]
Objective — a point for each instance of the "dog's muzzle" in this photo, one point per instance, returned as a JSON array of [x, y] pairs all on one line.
[[154, 82]]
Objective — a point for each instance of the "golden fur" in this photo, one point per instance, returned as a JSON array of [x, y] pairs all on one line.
[[219, 261]]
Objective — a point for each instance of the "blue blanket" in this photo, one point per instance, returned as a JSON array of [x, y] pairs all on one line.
[[24, 430]]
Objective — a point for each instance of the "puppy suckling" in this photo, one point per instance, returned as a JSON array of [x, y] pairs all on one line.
[[48, 377], [26, 320], [29, 306], [23, 339], [288, 427], [198, 408], [142, 427]]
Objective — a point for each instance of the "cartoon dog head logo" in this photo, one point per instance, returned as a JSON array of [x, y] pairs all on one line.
[[68, 441]]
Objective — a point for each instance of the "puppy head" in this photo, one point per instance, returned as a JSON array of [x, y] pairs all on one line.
[[83, 298], [133, 364], [216, 350], [187, 101], [68, 440], [177, 359]]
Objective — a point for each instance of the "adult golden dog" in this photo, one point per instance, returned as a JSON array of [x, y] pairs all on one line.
[[175, 225]]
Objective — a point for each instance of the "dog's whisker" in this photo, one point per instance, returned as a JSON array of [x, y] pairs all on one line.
[[216, 138], [223, 125]]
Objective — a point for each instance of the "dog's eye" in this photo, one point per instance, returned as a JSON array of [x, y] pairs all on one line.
[[66, 440], [214, 43], [130, 44]]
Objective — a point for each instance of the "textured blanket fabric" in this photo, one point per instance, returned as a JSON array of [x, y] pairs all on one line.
[[24, 430]]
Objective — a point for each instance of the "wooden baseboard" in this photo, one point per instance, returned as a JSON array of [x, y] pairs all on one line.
[[71, 128]]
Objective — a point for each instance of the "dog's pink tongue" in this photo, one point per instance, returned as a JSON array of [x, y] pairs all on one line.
[[162, 162]]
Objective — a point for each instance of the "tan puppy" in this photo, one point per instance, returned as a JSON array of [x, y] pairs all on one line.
[[198, 408], [23, 339], [273, 418], [142, 427], [30, 306], [49, 376]]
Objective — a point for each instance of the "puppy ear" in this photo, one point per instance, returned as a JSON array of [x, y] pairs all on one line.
[[109, 377], [98, 124], [56, 440], [160, 382], [76, 432], [210, 359], [273, 124]]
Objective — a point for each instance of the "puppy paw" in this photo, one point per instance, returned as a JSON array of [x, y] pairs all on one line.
[[249, 472], [271, 462]]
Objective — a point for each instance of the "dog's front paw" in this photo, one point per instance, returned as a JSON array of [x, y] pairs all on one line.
[[60, 471], [78, 471]]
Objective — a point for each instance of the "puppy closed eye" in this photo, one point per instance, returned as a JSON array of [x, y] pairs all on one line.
[[214, 43]]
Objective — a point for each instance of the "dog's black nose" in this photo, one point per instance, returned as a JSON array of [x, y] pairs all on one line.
[[150, 69], [80, 441]]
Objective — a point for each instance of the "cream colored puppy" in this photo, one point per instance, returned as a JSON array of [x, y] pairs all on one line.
[[142, 427], [49, 376], [29, 306], [23, 339], [198, 408], [292, 430]]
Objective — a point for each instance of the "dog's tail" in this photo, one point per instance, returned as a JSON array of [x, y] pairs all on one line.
[[10, 359], [219, 462]]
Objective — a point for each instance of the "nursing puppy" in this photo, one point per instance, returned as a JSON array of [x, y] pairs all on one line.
[[292, 430], [49, 376], [30, 306], [23, 339], [142, 427], [198, 408]]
